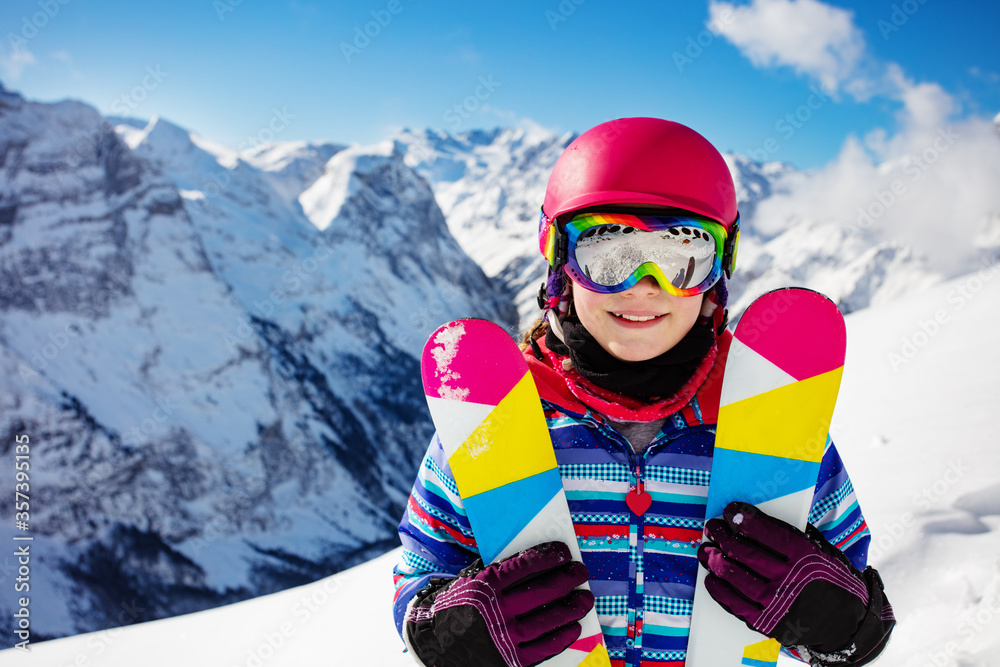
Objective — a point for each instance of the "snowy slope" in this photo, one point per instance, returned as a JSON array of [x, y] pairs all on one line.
[[342, 621], [914, 426]]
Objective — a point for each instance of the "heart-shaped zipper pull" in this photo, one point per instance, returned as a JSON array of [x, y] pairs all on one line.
[[637, 499]]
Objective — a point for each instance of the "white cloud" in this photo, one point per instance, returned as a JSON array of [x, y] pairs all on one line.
[[13, 64], [814, 38], [823, 43], [935, 194], [930, 184], [926, 109]]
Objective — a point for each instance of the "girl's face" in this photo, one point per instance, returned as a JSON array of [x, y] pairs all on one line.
[[640, 323]]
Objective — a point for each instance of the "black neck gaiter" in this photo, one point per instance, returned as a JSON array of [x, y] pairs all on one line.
[[656, 378]]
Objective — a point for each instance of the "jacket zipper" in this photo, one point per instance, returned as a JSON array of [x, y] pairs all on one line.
[[636, 546], [637, 484]]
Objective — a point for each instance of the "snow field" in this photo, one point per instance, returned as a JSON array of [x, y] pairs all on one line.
[[913, 425], [343, 620]]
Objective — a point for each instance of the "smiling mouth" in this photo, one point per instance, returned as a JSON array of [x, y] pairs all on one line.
[[636, 318]]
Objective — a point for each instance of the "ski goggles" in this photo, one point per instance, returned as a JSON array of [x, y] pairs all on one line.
[[611, 252]]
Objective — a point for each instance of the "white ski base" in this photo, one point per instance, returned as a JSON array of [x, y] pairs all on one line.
[[717, 637]]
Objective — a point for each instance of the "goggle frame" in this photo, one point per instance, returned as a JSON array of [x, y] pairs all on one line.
[[558, 246]]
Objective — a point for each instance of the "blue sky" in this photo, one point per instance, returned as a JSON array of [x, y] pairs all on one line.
[[226, 68]]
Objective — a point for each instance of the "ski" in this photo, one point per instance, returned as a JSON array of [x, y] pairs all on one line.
[[486, 409], [778, 394]]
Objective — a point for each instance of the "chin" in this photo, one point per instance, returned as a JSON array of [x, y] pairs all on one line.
[[632, 353]]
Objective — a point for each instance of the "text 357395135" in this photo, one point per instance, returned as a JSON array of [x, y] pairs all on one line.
[[22, 547]]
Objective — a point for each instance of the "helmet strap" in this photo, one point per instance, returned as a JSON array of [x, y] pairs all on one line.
[[543, 296], [560, 246], [729, 248], [555, 325]]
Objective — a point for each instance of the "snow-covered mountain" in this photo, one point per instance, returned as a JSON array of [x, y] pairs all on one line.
[[490, 186], [928, 486], [214, 355], [214, 352]]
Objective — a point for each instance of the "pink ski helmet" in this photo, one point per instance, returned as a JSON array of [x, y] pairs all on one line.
[[633, 161], [642, 161]]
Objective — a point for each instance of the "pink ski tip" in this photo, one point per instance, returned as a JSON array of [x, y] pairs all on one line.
[[803, 315], [587, 644], [471, 360]]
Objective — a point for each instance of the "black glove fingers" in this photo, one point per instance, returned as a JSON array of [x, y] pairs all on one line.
[[773, 534], [549, 618], [748, 584], [474, 620], [556, 642], [545, 588], [795, 586], [731, 599], [531, 562], [743, 551]]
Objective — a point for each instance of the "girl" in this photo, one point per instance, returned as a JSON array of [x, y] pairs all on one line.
[[639, 226]]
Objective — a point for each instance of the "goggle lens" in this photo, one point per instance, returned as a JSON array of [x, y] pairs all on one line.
[[612, 252]]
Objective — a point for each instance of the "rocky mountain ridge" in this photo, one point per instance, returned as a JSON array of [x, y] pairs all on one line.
[[222, 397]]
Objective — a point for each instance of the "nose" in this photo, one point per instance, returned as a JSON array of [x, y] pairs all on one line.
[[647, 285]]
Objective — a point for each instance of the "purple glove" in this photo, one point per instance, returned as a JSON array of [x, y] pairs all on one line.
[[514, 613], [795, 586]]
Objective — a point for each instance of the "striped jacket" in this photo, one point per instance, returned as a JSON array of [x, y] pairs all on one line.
[[642, 568]]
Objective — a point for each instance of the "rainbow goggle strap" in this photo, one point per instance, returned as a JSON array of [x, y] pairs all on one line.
[[611, 252]]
